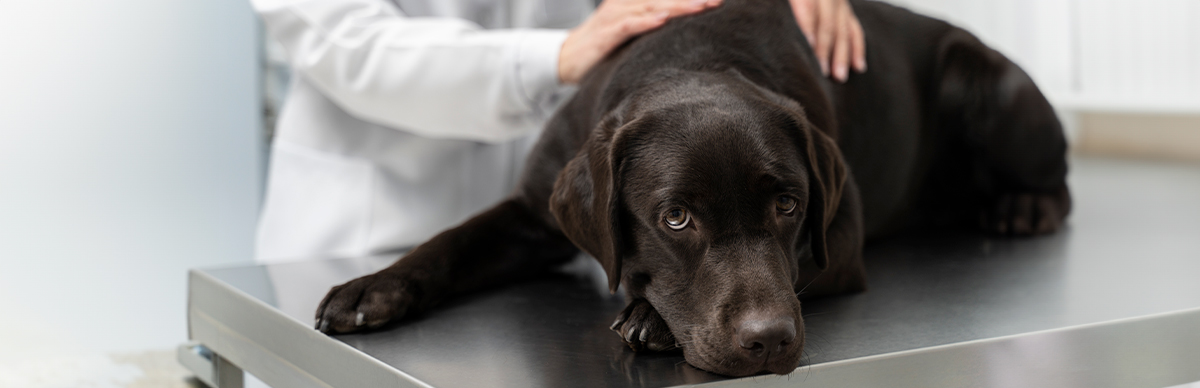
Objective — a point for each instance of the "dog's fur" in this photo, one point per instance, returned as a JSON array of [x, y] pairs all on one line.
[[725, 116]]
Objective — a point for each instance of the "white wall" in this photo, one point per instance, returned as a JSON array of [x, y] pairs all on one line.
[[1144, 54], [129, 151], [1099, 55]]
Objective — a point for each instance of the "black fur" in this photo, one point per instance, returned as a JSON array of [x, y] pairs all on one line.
[[725, 117]]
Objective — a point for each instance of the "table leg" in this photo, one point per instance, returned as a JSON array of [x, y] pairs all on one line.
[[225, 374], [210, 368]]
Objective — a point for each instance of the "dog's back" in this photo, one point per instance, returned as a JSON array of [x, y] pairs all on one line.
[[908, 150], [943, 131]]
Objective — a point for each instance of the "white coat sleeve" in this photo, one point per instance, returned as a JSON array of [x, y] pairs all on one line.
[[436, 77]]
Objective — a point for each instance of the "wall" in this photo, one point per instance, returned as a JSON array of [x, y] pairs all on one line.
[[1093, 55], [130, 150]]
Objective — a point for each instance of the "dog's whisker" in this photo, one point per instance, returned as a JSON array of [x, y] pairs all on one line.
[[810, 282]]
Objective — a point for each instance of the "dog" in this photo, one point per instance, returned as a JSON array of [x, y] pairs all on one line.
[[715, 174]]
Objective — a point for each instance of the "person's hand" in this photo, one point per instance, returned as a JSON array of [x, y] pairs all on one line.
[[613, 23], [834, 34]]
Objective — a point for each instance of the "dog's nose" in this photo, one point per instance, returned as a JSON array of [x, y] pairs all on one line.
[[762, 337]]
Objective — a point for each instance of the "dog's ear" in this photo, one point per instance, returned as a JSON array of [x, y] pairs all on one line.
[[826, 174], [586, 199], [826, 181]]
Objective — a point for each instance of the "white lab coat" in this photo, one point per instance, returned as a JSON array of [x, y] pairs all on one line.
[[403, 118]]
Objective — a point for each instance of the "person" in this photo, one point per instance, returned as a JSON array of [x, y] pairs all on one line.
[[408, 116]]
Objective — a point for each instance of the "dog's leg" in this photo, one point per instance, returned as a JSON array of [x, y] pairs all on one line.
[[1015, 141], [503, 244], [643, 329]]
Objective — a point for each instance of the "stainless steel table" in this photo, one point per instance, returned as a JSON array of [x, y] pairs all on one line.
[[1112, 301]]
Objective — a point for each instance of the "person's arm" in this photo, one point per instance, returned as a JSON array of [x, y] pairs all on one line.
[[436, 77]]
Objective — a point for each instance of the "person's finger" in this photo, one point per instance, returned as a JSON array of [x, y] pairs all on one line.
[[636, 25], [806, 18], [859, 52], [687, 7], [673, 7], [642, 16], [840, 63], [826, 28]]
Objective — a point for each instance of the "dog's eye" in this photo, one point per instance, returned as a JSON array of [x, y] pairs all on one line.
[[785, 204], [677, 218]]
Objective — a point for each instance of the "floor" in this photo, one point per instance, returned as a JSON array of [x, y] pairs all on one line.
[[105, 308], [102, 331]]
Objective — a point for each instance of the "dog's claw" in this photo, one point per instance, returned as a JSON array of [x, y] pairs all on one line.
[[617, 323], [640, 326]]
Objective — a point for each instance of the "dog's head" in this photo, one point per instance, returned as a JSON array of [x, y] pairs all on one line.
[[706, 196]]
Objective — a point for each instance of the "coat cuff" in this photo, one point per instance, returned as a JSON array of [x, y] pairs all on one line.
[[537, 66]]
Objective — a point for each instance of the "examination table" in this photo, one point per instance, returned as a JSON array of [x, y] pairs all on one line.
[[1112, 300]]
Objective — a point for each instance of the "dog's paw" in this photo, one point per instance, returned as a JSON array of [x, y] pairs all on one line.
[[364, 303], [643, 329], [1025, 214]]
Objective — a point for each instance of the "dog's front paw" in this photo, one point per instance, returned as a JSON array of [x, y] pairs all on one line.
[[1024, 214], [643, 329], [364, 303]]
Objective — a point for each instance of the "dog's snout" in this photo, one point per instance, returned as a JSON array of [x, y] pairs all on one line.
[[760, 337]]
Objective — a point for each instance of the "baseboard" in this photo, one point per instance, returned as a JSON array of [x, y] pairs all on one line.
[[1141, 135]]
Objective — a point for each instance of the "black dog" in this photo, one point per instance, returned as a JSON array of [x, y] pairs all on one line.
[[714, 173]]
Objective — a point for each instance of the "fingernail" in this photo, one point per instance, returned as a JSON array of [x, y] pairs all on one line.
[[824, 68], [358, 319], [840, 73], [663, 15], [714, 3], [697, 3]]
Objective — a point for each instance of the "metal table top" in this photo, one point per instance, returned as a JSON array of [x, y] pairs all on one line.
[[1112, 300]]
